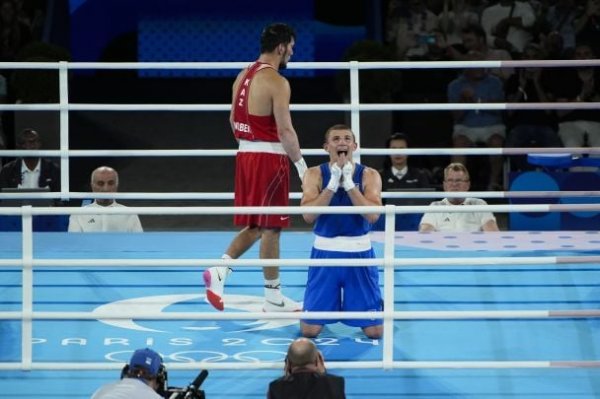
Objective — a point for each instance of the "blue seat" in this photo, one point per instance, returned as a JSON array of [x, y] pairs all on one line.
[[40, 223], [561, 161]]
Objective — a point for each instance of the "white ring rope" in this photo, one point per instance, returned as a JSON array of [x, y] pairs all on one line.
[[353, 262], [405, 315], [305, 107], [304, 65], [550, 151], [298, 210], [263, 365], [230, 196]]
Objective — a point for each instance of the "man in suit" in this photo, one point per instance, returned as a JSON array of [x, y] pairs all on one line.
[[305, 375], [30, 171]]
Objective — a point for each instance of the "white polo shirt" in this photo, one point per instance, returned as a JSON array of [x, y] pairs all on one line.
[[458, 221], [105, 222]]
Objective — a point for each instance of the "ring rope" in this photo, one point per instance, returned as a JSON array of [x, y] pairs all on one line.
[[304, 107], [304, 65], [397, 315], [299, 210], [462, 261], [297, 195], [193, 365], [555, 151]]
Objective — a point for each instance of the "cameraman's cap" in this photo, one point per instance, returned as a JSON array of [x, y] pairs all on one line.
[[146, 359]]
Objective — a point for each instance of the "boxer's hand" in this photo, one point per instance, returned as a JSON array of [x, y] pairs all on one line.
[[334, 180], [347, 170], [301, 167]]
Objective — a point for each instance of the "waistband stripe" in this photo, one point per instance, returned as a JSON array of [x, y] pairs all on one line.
[[343, 243], [261, 146]]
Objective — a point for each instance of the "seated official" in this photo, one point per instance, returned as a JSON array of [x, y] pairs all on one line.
[[456, 179], [305, 375], [104, 180], [398, 176], [30, 171]]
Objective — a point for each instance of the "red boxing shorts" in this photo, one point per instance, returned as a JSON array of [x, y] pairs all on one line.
[[262, 179]]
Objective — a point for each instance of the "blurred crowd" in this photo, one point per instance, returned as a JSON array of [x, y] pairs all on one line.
[[459, 30], [21, 23], [433, 29]]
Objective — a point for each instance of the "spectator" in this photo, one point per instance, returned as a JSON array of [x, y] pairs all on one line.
[[104, 180], [561, 17], [588, 25], [476, 126], [341, 182], [474, 40], [31, 14], [145, 377], [506, 24], [529, 128], [410, 28], [14, 34], [436, 47], [30, 171], [553, 48], [305, 376], [397, 176], [456, 16], [456, 179], [577, 127]]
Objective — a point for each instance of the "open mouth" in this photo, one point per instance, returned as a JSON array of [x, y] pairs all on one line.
[[342, 153]]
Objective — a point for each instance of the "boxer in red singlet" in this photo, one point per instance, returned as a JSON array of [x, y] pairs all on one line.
[[261, 122]]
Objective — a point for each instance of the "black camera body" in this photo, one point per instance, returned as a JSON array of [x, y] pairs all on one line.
[[183, 393], [192, 391]]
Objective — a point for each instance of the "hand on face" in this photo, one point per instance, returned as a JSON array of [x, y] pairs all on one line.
[[336, 172], [347, 171], [342, 167], [334, 179]]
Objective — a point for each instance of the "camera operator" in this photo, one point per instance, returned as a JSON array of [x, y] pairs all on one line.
[[145, 377], [305, 375]]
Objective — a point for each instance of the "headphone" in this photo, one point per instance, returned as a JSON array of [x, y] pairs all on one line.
[[287, 367]]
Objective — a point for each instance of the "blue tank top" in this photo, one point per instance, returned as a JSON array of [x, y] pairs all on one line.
[[349, 225]]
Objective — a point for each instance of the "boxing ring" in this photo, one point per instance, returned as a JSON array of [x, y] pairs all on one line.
[[506, 314]]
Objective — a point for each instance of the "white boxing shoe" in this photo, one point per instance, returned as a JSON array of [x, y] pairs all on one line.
[[214, 280], [282, 304]]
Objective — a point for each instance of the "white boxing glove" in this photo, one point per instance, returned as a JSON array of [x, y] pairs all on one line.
[[334, 180], [301, 167], [347, 170]]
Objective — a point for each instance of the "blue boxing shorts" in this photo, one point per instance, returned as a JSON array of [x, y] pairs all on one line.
[[343, 288]]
